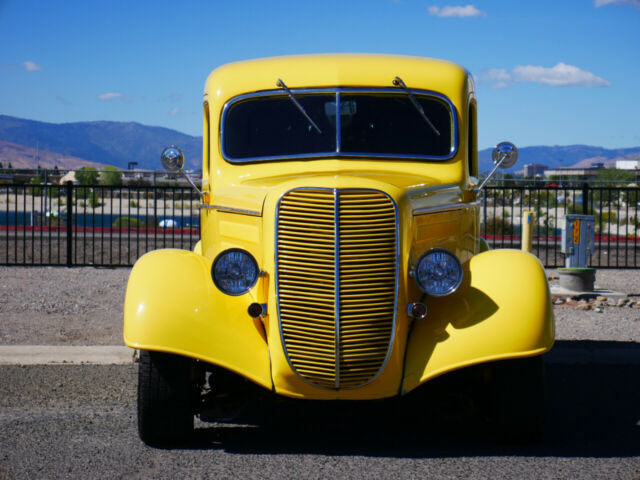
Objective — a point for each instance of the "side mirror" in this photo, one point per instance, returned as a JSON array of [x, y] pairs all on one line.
[[173, 161], [504, 155]]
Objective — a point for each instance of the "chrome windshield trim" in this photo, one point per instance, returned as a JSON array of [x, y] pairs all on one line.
[[336, 192], [222, 208], [445, 208], [333, 154]]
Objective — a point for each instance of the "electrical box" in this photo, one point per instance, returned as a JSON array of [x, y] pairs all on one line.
[[578, 237]]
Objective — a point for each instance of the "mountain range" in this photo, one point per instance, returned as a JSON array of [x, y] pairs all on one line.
[[28, 143]]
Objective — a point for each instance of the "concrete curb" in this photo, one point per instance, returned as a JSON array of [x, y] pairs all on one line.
[[68, 354], [120, 355]]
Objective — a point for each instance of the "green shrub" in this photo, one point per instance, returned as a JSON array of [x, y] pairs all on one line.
[[134, 204], [497, 226], [127, 222], [94, 200], [607, 217]]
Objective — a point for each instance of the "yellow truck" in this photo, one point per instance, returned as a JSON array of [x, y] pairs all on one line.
[[340, 256]]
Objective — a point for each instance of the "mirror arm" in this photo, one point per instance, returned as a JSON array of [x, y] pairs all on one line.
[[201, 193], [488, 177]]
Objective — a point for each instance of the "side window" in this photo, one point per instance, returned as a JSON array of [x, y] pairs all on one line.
[[472, 140]]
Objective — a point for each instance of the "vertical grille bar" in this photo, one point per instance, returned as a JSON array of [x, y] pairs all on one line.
[[336, 283]]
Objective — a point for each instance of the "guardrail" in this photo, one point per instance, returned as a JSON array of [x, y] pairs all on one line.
[[72, 225]]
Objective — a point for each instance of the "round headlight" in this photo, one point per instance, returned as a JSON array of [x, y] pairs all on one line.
[[438, 272], [234, 271]]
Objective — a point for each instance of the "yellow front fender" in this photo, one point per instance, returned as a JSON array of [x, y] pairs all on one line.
[[172, 305], [502, 310]]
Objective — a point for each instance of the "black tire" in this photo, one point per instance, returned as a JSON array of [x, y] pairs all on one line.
[[514, 399], [165, 393]]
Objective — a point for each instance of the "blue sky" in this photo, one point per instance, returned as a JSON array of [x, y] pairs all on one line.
[[548, 72]]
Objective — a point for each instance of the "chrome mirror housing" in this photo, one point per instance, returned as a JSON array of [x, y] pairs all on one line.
[[172, 159], [504, 155]]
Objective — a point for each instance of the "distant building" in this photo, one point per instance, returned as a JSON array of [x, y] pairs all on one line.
[[628, 164], [70, 176], [534, 169], [573, 173]]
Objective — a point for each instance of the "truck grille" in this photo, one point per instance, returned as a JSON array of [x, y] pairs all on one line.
[[336, 283]]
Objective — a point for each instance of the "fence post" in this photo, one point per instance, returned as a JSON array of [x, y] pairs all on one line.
[[69, 224], [585, 198], [527, 231]]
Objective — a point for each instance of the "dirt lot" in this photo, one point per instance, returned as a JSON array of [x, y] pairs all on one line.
[[83, 306]]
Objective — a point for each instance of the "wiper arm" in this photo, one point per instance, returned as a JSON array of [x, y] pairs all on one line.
[[295, 101], [399, 83]]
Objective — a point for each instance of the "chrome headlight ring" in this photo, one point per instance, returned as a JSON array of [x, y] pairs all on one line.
[[234, 271], [438, 272]]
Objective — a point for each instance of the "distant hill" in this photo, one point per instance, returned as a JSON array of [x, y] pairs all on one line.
[[20, 156], [70, 145], [560, 156], [105, 143]]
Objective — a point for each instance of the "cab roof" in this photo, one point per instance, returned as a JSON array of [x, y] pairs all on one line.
[[335, 70]]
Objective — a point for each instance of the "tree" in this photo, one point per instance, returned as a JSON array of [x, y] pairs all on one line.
[[36, 180], [111, 177], [87, 176], [614, 175]]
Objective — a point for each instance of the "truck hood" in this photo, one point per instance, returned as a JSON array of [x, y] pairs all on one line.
[[421, 191]]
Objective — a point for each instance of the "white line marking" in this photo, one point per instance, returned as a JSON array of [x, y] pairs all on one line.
[[67, 354]]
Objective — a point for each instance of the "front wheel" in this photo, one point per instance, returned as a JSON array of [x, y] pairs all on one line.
[[513, 399], [165, 393]]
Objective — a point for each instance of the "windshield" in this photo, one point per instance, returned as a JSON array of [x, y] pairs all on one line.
[[384, 124]]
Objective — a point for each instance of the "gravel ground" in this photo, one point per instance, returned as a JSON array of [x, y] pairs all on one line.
[[83, 306]]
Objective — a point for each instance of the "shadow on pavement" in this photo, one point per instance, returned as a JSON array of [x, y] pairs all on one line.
[[593, 410]]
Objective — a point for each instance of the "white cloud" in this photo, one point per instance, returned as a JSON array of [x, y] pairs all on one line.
[[174, 111], [499, 76], [31, 66], [110, 96], [561, 75], [631, 3], [456, 11]]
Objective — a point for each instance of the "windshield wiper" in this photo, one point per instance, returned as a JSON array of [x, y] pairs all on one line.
[[280, 83], [399, 83]]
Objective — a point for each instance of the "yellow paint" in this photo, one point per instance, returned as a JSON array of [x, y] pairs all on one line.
[[502, 310], [576, 231], [172, 305]]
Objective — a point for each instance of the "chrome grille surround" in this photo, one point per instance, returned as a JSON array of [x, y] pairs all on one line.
[[337, 264]]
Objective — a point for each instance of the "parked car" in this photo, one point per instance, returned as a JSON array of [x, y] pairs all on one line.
[[340, 257]]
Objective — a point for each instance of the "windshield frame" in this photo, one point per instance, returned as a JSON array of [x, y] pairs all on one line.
[[337, 91]]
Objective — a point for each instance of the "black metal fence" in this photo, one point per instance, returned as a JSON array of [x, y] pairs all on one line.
[[616, 211], [73, 225]]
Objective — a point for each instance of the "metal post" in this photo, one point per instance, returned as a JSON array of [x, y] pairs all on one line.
[[585, 198], [69, 224], [527, 231], [155, 202]]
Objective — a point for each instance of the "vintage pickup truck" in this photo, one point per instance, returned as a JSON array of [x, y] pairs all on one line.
[[340, 256]]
